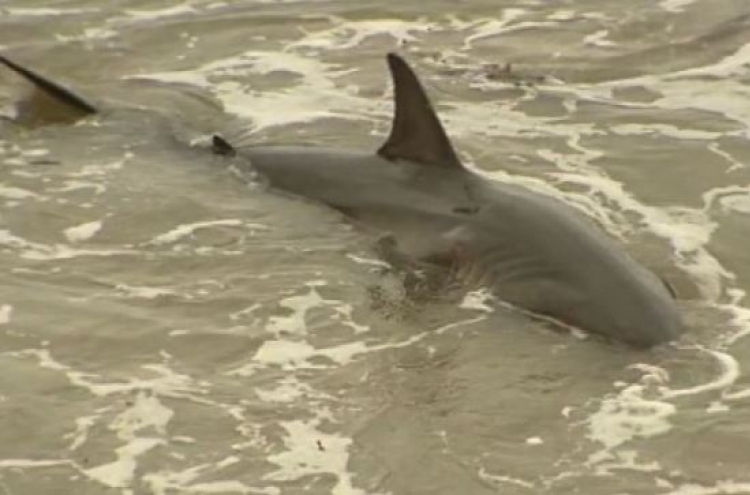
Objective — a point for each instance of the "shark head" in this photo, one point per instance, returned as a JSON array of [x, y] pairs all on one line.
[[629, 304], [535, 250], [542, 255], [632, 304]]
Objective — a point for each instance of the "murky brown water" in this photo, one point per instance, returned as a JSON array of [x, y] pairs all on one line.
[[167, 328]]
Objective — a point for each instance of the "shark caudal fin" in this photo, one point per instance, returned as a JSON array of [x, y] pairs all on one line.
[[50, 102], [416, 134]]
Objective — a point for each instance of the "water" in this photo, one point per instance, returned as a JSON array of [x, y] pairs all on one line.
[[171, 328]]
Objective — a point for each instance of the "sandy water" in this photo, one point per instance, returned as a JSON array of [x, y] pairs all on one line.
[[167, 327]]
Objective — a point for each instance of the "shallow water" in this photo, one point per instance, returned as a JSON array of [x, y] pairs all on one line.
[[169, 327]]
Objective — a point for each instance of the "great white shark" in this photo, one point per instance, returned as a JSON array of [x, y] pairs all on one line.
[[532, 250]]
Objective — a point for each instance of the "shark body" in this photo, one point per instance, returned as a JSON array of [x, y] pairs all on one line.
[[532, 250]]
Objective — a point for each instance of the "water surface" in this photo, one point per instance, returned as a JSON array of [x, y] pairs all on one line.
[[168, 327]]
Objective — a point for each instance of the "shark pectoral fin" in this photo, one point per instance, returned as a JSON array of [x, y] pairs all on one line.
[[50, 101], [416, 133]]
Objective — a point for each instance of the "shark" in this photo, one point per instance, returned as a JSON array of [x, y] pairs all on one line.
[[533, 251]]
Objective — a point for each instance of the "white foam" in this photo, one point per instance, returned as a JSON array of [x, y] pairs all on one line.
[[299, 305], [141, 426], [729, 372], [101, 169], [145, 413], [716, 96], [35, 152], [88, 34], [16, 193], [349, 33], [716, 88], [83, 426], [141, 292], [625, 416], [119, 474], [663, 130], [288, 390], [78, 185], [43, 12], [486, 28], [192, 77], [640, 411], [246, 312], [167, 483], [6, 310], [740, 317], [599, 39], [150, 15], [310, 451], [315, 96], [44, 252], [291, 355], [623, 459], [225, 487], [60, 252], [717, 407], [166, 382], [288, 354], [739, 204], [31, 463], [734, 197], [478, 300], [14, 162], [675, 5], [345, 315], [296, 354], [563, 15], [185, 230], [500, 479], [727, 487], [377, 263], [83, 232], [495, 118], [734, 164]]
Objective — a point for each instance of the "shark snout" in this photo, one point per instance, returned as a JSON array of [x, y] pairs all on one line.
[[649, 323]]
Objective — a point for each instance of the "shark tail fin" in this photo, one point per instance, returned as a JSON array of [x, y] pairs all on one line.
[[50, 101], [416, 134]]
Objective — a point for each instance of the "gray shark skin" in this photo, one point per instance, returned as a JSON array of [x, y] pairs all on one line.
[[532, 250]]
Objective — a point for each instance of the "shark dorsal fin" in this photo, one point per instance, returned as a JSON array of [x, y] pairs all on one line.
[[416, 134], [71, 105], [221, 146]]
